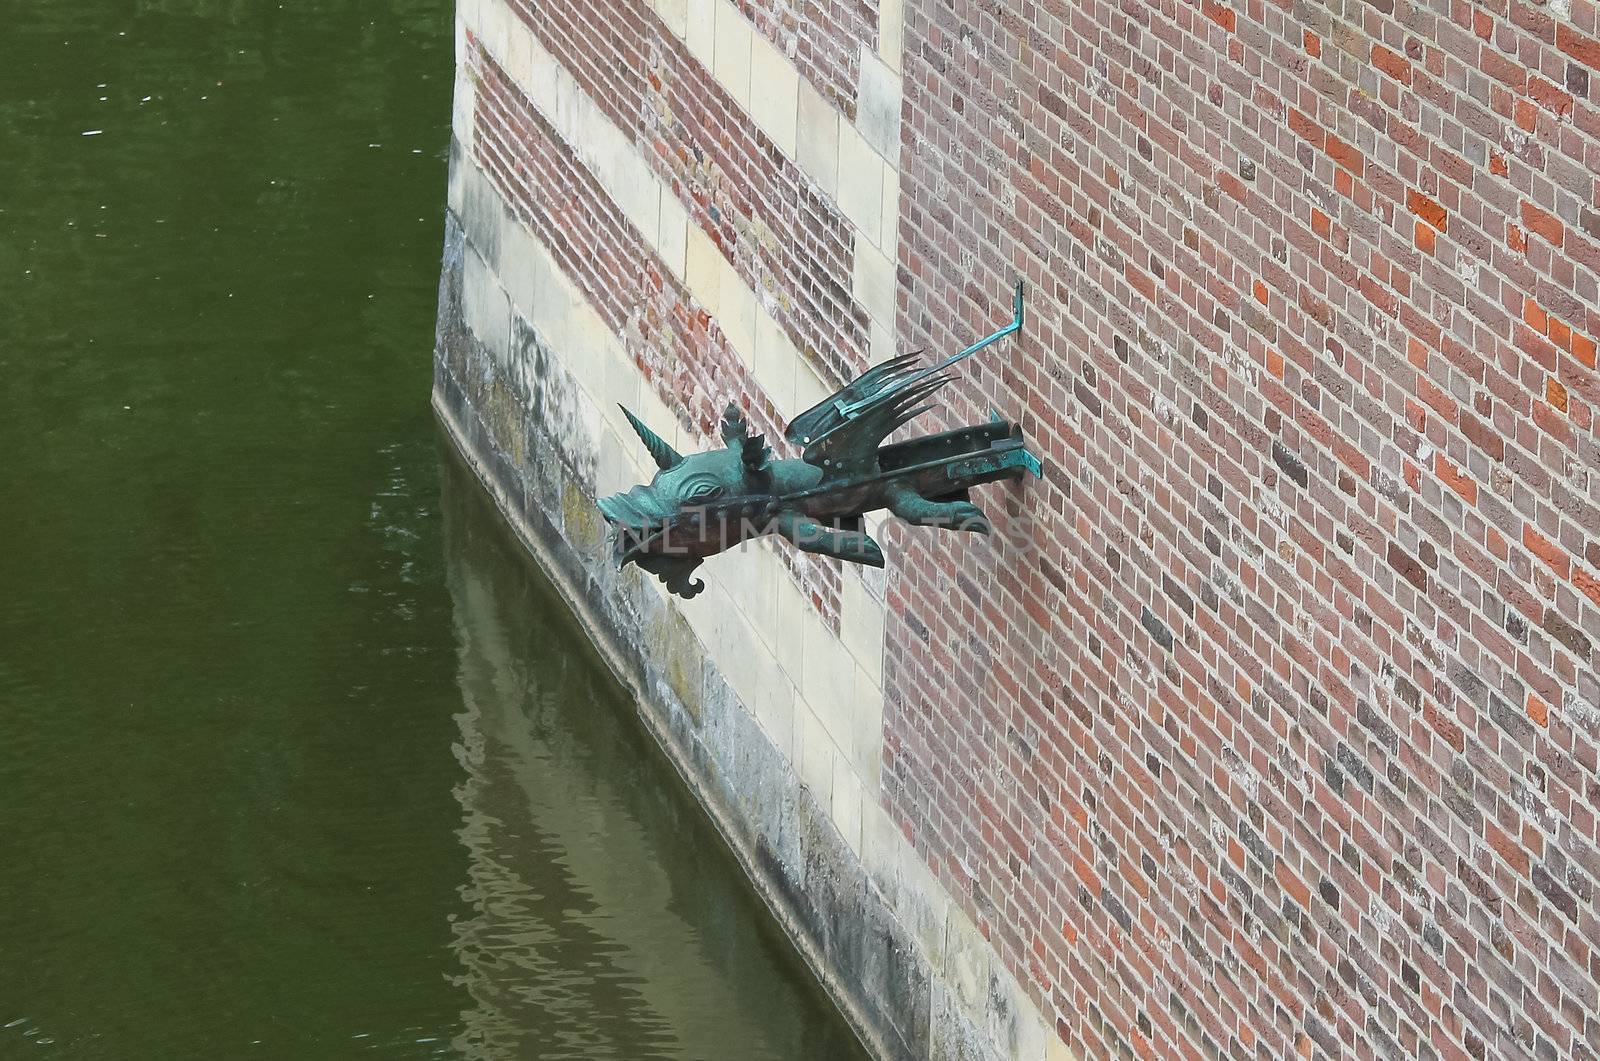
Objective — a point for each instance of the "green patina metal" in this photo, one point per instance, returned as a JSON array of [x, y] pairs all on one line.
[[704, 503]]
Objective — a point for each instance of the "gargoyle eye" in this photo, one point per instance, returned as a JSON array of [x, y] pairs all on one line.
[[704, 491]]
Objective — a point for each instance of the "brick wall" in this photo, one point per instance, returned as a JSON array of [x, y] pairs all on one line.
[[1267, 724]]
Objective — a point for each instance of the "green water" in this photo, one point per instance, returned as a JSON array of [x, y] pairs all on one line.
[[299, 757]]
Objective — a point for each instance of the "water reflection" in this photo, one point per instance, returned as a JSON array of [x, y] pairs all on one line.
[[606, 919], [229, 655]]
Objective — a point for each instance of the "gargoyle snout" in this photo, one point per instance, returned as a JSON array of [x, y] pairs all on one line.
[[636, 517], [637, 509]]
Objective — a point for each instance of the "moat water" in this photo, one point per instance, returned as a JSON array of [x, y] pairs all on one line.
[[299, 756]]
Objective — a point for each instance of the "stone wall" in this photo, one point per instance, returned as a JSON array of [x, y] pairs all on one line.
[[1266, 723]]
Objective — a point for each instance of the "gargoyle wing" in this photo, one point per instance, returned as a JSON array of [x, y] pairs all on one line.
[[850, 445], [841, 434], [829, 413]]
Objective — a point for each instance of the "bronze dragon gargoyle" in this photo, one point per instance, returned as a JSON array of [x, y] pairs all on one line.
[[702, 504]]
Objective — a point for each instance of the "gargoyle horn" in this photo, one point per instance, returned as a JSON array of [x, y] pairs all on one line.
[[665, 456]]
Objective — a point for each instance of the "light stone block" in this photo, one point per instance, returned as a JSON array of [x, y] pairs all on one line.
[[555, 305], [866, 726], [772, 573], [631, 184], [920, 901], [860, 183], [775, 360], [732, 644], [731, 63], [890, 237], [861, 624], [969, 961], [907, 886], [587, 347], [880, 337], [1057, 1049], [874, 284], [703, 270], [485, 307], [463, 107], [817, 139], [878, 106], [808, 386], [829, 681], [792, 608], [736, 312], [519, 58], [845, 804], [704, 611], [816, 755], [881, 841], [672, 236], [524, 268], [701, 34], [891, 33], [489, 24], [622, 388], [1030, 1038], [753, 574], [615, 470], [752, 672], [774, 93], [675, 13]]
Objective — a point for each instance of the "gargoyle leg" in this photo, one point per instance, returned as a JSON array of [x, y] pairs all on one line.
[[916, 509], [811, 536]]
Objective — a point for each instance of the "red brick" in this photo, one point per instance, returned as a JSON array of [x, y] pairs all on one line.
[[1582, 48], [1391, 63], [1455, 479], [1555, 394], [1426, 209], [1345, 155], [1304, 127], [1525, 114], [1559, 333], [1587, 584], [1534, 316], [1426, 237], [1221, 14], [1583, 348], [1507, 847], [1293, 885], [1546, 550], [1542, 224], [1551, 98]]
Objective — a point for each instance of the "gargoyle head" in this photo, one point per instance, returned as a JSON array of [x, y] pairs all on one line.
[[686, 509]]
